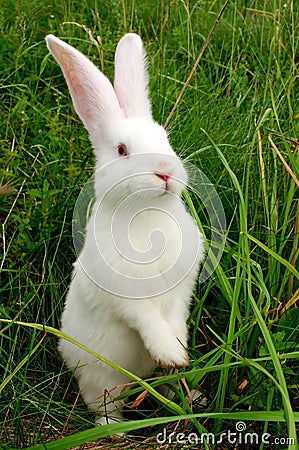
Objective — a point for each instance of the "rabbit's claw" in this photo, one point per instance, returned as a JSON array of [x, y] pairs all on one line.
[[171, 356]]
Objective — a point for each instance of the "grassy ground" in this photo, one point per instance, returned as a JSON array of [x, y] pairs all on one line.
[[244, 329]]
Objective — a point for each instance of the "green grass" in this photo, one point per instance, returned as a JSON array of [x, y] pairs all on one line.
[[244, 329]]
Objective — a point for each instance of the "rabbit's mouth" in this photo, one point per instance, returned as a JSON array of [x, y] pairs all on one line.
[[165, 179]]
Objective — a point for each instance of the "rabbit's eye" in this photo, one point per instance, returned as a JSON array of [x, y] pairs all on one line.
[[122, 150]]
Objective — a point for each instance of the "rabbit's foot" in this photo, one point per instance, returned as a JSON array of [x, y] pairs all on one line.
[[170, 354], [104, 420]]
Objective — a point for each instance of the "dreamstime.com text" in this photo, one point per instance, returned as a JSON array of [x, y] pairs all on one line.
[[237, 436]]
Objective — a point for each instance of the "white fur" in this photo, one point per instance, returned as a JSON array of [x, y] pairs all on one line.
[[131, 78], [132, 283]]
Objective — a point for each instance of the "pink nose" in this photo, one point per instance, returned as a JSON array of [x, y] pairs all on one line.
[[163, 177]]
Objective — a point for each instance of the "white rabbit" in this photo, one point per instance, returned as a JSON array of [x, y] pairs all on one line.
[[132, 283]]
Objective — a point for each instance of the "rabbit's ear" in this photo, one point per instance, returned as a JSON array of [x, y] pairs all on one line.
[[93, 95], [131, 77]]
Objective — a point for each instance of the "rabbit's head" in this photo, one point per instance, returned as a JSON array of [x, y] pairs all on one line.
[[132, 151]]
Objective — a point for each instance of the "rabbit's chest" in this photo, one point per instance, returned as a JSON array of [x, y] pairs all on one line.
[[147, 241], [147, 254]]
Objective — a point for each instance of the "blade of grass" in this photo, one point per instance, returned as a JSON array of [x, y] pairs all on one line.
[[21, 364], [113, 429], [172, 406], [206, 43], [279, 258]]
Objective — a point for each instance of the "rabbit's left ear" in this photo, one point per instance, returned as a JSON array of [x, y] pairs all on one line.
[[131, 77], [92, 93]]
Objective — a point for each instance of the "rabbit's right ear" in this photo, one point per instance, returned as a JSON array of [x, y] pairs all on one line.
[[92, 93], [131, 77]]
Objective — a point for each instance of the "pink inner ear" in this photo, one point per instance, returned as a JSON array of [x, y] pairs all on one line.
[[73, 80], [93, 96], [80, 86]]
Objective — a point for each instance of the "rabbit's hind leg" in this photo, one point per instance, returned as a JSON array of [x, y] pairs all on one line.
[[195, 397], [100, 390]]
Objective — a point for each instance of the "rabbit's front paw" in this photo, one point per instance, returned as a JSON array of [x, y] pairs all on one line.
[[170, 354]]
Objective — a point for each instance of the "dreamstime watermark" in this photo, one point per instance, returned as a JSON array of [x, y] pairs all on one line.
[[139, 240], [237, 436]]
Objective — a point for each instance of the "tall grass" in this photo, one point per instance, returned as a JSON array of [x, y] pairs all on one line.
[[244, 322]]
